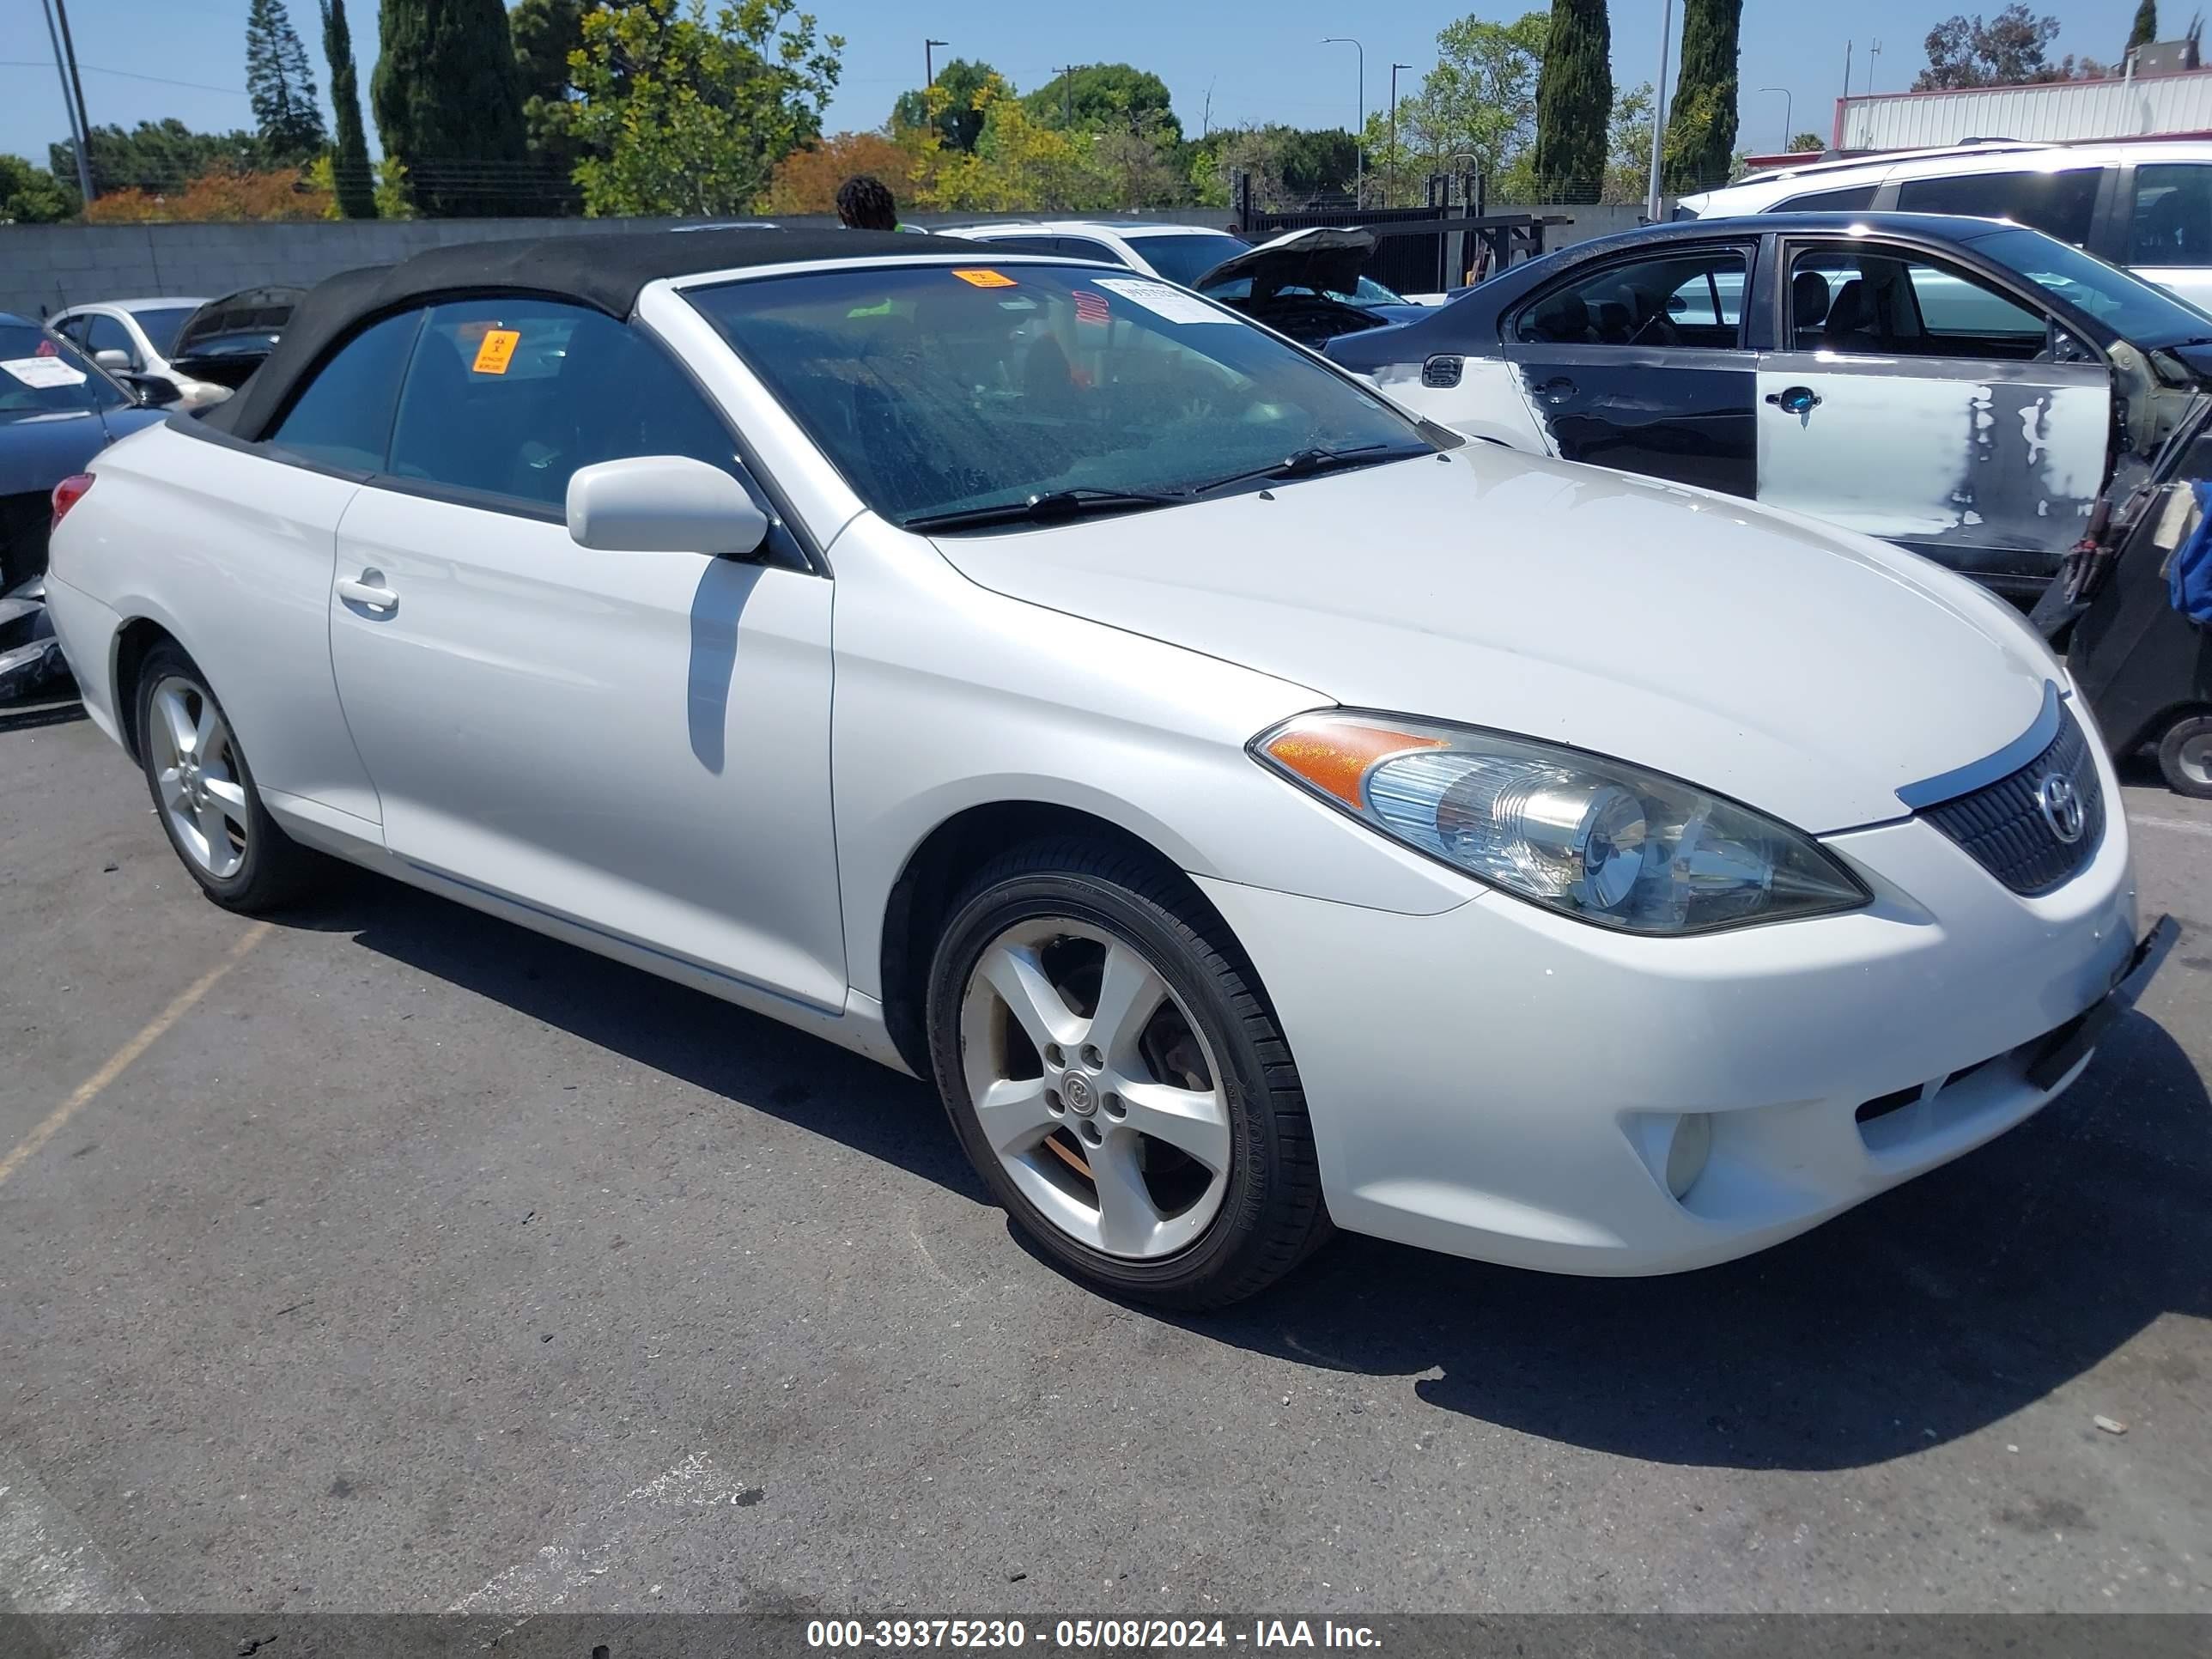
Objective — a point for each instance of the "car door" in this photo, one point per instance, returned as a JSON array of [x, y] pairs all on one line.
[[636, 742], [2168, 227], [1642, 363], [104, 334], [1916, 399]]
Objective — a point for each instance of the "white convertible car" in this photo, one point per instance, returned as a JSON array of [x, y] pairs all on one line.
[[1253, 808]]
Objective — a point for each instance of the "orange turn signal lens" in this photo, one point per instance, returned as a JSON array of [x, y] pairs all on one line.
[[1334, 754]]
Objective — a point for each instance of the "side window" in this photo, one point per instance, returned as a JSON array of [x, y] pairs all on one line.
[[2060, 204], [105, 334], [343, 418], [73, 328], [1079, 247], [1692, 301], [1027, 244], [2172, 223], [1854, 198], [506, 398], [1862, 301]]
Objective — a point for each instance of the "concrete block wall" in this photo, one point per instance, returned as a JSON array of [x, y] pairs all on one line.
[[51, 266]]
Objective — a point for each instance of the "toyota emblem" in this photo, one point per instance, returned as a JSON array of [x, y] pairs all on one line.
[[2061, 807]]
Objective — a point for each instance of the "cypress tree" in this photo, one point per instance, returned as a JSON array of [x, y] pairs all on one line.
[[1573, 101], [349, 168], [2145, 29], [449, 107], [1701, 131], [280, 85]]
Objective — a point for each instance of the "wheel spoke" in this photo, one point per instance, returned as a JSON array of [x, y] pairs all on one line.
[[1014, 1114], [1019, 979], [177, 722], [1128, 1217], [208, 735], [1192, 1121], [229, 799], [209, 818], [1129, 992]]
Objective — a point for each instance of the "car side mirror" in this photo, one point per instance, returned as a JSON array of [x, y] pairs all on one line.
[[663, 504], [150, 390], [112, 358]]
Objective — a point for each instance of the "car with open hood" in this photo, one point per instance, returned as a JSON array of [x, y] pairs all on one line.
[[1306, 283], [1252, 807], [227, 339], [1964, 388]]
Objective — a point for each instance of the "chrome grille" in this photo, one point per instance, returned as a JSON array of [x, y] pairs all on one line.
[[2001, 825]]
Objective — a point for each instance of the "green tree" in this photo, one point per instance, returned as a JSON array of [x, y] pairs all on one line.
[[1480, 102], [545, 32], [351, 178], [1573, 101], [449, 107], [2009, 50], [159, 156], [1701, 130], [679, 112], [282, 86], [1097, 96], [30, 195], [959, 123], [2145, 29], [1628, 145], [1807, 143]]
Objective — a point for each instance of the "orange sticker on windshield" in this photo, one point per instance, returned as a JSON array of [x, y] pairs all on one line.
[[984, 278], [497, 350]]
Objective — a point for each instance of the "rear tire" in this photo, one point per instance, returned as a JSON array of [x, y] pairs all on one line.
[[2185, 755], [1147, 1129], [204, 795]]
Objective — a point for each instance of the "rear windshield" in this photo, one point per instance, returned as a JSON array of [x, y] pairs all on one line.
[[41, 373], [162, 325], [939, 388], [1186, 258]]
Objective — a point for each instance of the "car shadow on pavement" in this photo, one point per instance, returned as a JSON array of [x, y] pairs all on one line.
[[743, 1057], [1934, 1311]]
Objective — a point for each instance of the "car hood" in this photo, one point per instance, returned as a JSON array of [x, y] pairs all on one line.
[[1325, 258], [38, 451], [1807, 671]]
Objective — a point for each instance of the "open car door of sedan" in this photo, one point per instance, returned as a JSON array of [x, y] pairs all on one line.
[[1917, 401]]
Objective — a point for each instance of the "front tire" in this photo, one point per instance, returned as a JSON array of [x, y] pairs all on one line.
[[1115, 1075], [2185, 756], [204, 795]]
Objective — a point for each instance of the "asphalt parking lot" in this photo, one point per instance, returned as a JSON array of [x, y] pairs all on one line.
[[389, 1257]]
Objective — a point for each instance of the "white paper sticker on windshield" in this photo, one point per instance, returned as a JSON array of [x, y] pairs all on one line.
[[1172, 303], [42, 371]]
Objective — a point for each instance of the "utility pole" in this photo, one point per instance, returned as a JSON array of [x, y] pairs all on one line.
[[1659, 109], [1390, 180], [1359, 132], [929, 64], [1067, 94], [1786, 103], [73, 104], [1873, 52]]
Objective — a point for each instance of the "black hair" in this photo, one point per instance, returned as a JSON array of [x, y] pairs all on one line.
[[863, 202]]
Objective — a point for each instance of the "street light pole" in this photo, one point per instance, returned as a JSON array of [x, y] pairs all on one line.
[[1787, 104], [929, 64], [1659, 109], [1390, 183], [80, 138], [1359, 150]]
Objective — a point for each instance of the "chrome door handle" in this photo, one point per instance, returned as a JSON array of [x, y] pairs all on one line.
[[368, 592]]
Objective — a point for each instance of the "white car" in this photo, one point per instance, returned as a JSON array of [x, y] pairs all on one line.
[[2146, 205], [1253, 808], [136, 336]]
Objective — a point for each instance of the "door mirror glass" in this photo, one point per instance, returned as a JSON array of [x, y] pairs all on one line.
[[663, 504]]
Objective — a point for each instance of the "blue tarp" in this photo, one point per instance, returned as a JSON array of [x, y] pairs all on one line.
[[2189, 577]]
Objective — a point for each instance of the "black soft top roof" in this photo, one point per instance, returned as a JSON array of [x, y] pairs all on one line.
[[605, 271]]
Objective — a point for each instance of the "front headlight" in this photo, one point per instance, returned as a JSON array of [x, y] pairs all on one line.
[[1599, 840]]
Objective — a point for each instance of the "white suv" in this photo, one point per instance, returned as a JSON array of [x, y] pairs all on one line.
[[2148, 206]]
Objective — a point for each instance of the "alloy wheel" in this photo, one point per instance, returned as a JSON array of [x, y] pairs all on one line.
[[197, 772], [1095, 1088]]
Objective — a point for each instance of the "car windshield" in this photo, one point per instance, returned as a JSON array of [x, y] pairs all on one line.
[[1186, 258], [43, 374], [161, 324], [2130, 307], [942, 389]]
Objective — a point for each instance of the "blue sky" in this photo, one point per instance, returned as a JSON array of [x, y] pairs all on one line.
[[1247, 63]]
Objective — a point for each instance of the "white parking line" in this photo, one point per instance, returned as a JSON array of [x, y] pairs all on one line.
[[2179, 826], [558, 1571]]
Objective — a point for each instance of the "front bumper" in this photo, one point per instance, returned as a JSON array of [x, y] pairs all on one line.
[[1501, 1082]]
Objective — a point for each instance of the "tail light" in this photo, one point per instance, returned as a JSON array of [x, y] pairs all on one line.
[[68, 493]]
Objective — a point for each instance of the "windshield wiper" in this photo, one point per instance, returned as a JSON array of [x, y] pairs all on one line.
[[1304, 463], [1052, 507]]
